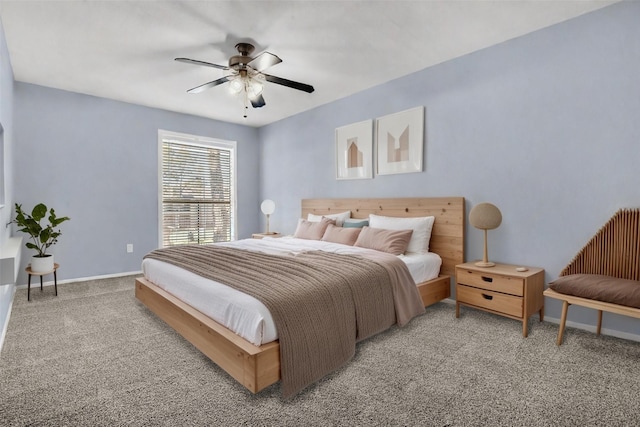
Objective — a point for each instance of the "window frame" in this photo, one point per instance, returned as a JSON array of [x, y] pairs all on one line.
[[206, 142]]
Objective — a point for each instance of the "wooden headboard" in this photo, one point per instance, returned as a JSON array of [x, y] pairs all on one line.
[[613, 251], [447, 236]]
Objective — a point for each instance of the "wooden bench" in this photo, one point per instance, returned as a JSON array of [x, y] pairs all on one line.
[[614, 251], [568, 300]]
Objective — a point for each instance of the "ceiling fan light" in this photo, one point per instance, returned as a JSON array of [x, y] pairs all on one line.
[[236, 85], [254, 88]]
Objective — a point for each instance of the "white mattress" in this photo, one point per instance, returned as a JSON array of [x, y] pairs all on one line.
[[242, 313]]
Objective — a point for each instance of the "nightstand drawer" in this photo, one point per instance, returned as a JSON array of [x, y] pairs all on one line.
[[494, 301], [490, 281]]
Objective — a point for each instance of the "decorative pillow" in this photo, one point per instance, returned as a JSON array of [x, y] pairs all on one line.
[[355, 223], [392, 241], [312, 230], [346, 236], [421, 227], [600, 288], [339, 217]]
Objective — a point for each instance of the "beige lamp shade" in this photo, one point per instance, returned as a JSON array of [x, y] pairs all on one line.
[[485, 216]]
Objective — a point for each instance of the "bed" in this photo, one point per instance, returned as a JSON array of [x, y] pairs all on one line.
[[258, 366]]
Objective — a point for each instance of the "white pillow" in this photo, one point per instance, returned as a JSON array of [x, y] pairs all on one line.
[[338, 218], [421, 227]]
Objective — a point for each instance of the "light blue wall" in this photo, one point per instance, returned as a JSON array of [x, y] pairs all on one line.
[[546, 126], [96, 161]]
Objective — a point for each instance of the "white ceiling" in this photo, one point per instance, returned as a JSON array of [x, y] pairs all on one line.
[[125, 50]]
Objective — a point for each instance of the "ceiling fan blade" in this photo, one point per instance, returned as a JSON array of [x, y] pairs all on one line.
[[258, 102], [209, 85], [264, 61], [206, 64], [289, 83]]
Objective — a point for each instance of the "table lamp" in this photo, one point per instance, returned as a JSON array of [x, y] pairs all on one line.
[[268, 207], [485, 216]]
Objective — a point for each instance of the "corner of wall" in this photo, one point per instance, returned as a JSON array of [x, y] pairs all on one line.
[[7, 291]]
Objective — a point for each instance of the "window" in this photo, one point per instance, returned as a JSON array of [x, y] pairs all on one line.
[[197, 189]]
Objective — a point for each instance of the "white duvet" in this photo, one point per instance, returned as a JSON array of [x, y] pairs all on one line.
[[243, 314]]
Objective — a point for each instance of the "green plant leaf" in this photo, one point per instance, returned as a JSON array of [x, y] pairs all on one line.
[[31, 246], [34, 227], [57, 221], [39, 211], [45, 235]]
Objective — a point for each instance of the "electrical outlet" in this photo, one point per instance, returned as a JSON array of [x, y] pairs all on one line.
[[129, 248]]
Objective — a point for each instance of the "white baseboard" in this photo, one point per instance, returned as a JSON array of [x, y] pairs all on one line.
[[593, 328], [35, 282], [583, 326]]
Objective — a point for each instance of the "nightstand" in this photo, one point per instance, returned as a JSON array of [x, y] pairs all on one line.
[[261, 235], [501, 290]]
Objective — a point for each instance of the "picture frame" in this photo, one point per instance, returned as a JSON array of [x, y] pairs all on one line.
[[400, 141], [354, 151]]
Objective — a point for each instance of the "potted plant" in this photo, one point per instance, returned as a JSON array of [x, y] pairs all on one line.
[[42, 234]]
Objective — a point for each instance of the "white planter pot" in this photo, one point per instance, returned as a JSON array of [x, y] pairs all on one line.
[[42, 264]]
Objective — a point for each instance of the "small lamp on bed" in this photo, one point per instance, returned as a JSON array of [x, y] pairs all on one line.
[[268, 207], [485, 216]]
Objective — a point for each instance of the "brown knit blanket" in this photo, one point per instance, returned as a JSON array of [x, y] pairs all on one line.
[[321, 303]]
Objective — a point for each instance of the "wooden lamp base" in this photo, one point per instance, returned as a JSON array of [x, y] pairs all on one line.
[[485, 264], [485, 259]]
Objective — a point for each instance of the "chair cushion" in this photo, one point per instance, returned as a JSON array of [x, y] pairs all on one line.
[[600, 288]]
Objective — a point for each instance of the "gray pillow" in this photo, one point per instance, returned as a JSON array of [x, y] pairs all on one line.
[[355, 223]]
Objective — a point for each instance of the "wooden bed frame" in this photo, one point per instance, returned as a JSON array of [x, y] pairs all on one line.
[[257, 367]]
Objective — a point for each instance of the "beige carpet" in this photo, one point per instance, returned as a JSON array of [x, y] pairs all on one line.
[[95, 356]]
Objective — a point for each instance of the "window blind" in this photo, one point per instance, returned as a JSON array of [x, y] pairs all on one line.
[[197, 193]]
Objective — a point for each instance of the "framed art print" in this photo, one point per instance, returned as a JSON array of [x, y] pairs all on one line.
[[354, 151], [400, 141]]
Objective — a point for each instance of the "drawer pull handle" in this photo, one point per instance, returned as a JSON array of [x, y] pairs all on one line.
[[487, 279], [489, 297]]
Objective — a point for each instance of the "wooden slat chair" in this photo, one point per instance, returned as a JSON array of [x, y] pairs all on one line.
[[614, 251]]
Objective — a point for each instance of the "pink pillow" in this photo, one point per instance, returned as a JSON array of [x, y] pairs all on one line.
[[392, 241], [345, 236], [312, 230]]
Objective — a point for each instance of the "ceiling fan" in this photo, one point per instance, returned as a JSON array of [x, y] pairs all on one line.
[[247, 75]]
